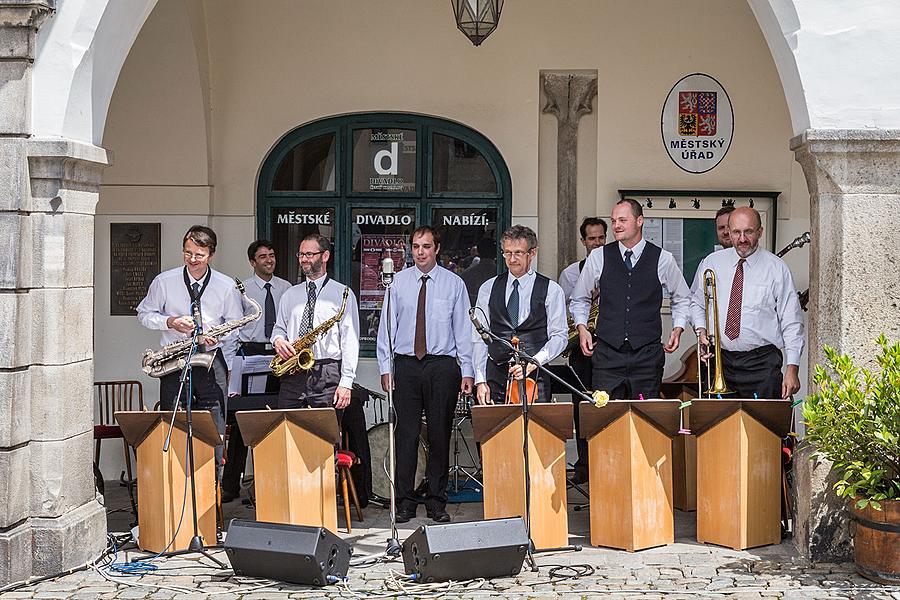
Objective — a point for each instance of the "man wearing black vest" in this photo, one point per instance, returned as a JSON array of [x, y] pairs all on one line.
[[593, 236], [518, 303], [632, 276]]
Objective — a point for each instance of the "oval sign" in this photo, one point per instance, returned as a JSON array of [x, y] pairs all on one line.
[[697, 123]]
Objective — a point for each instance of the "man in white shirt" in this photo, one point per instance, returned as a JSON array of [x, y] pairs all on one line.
[[267, 289], [336, 352], [722, 232], [759, 313], [523, 304], [593, 236], [168, 307], [632, 276], [430, 342]]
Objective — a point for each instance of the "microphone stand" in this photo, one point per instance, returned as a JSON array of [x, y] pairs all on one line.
[[196, 543], [520, 357], [393, 549]]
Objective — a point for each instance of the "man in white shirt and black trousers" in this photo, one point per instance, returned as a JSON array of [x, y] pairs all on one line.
[[760, 310], [168, 307], [593, 236], [632, 276], [253, 339], [523, 304], [431, 338], [304, 307]]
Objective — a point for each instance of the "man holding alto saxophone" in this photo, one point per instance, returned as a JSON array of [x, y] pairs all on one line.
[[316, 335], [758, 305]]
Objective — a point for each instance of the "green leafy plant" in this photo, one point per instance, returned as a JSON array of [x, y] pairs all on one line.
[[853, 420]]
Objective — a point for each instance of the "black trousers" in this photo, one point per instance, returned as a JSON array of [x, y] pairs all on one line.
[[756, 371], [209, 390], [628, 372], [311, 389], [429, 386], [583, 369]]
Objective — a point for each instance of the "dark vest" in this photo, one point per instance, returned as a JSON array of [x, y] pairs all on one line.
[[630, 301], [532, 332]]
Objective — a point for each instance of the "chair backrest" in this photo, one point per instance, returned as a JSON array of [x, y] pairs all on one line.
[[113, 396]]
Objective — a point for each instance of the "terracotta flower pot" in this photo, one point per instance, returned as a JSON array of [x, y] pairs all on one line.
[[876, 541]]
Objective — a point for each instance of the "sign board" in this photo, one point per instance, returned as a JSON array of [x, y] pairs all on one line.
[[697, 123]]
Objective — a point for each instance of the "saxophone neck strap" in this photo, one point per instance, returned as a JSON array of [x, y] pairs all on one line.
[[190, 289]]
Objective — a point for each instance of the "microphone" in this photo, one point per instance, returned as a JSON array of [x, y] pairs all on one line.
[[387, 271], [195, 313], [478, 326]]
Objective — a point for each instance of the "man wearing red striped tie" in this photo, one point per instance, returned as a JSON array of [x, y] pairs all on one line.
[[759, 306]]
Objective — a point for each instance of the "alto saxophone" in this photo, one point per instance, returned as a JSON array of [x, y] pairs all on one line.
[[171, 357], [304, 360]]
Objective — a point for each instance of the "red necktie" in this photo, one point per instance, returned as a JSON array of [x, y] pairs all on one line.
[[733, 318]]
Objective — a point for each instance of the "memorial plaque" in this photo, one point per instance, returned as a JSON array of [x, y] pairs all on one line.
[[133, 263]]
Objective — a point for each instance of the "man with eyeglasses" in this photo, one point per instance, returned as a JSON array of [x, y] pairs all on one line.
[[303, 308], [168, 307], [632, 276], [523, 304], [266, 288], [431, 340]]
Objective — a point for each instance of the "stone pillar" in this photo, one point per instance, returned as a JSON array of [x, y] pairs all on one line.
[[569, 96], [853, 178], [50, 519]]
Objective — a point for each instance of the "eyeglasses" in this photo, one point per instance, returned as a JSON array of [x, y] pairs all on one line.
[[191, 256], [309, 254], [516, 253]]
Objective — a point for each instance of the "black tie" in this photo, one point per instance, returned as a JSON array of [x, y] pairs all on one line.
[[270, 311], [628, 264], [307, 325], [512, 305]]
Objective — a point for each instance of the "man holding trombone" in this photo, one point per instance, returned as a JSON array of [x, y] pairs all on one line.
[[759, 309]]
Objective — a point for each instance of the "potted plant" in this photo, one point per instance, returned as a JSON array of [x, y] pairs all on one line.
[[853, 420]]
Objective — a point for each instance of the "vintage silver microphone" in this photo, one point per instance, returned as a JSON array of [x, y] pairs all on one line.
[[387, 272]]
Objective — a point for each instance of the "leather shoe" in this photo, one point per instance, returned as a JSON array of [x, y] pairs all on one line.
[[579, 477], [228, 496], [404, 516], [439, 516]]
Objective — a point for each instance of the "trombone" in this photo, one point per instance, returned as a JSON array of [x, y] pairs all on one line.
[[715, 384]]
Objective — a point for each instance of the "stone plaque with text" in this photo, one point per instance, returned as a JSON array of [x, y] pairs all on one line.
[[133, 263]]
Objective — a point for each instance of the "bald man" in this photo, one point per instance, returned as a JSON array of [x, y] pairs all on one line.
[[760, 315]]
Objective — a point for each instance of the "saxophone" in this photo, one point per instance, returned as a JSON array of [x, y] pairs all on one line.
[[171, 357], [304, 360]]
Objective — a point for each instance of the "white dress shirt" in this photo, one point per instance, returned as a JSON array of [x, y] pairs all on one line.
[[448, 330], [341, 341], [770, 308], [557, 328], [670, 277], [568, 278], [255, 288], [168, 297]]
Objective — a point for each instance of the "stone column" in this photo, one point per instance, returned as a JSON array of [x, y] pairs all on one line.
[[569, 96], [50, 519], [853, 178]]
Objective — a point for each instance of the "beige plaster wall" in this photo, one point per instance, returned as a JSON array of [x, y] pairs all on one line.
[[211, 85]]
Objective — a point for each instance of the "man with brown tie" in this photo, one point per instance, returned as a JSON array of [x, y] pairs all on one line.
[[430, 343], [759, 308]]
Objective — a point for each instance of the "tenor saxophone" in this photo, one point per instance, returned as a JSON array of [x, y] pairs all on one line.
[[304, 360], [172, 357]]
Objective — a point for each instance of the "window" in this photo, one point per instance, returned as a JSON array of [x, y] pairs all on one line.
[[366, 182]]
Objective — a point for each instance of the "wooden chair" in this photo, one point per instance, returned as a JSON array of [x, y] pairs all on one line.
[[115, 396], [344, 459]]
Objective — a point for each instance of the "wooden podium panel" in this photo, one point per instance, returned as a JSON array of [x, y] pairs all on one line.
[[162, 483], [684, 467], [293, 464], [500, 431], [739, 471], [630, 445]]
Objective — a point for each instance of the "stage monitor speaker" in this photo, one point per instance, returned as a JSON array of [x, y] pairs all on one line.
[[459, 551], [292, 553]]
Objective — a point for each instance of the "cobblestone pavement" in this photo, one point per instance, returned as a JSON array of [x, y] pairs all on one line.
[[685, 569]]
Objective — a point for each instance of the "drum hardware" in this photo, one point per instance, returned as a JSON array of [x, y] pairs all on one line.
[[457, 471], [379, 435]]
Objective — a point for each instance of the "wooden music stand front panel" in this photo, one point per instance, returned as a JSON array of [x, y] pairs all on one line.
[[684, 466], [163, 488], [294, 478], [631, 485], [738, 484], [504, 481]]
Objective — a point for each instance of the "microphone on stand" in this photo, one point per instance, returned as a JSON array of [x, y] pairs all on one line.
[[387, 271], [478, 326]]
